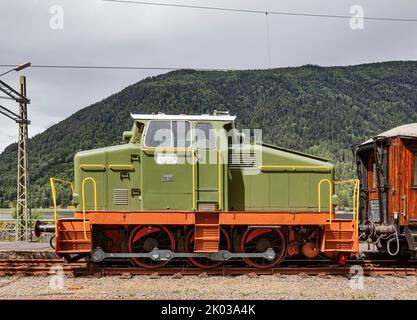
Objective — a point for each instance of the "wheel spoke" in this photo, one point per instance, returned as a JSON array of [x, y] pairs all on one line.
[[273, 238], [162, 238]]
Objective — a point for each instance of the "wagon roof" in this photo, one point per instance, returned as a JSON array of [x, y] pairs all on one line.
[[406, 130]]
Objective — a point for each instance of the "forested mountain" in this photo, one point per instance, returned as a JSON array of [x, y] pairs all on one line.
[[319, 110]]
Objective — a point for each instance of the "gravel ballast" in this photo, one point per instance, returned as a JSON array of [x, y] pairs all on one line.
[[212, 287]]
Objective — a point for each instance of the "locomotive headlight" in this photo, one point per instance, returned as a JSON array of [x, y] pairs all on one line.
[[335, 200], [127, 135]]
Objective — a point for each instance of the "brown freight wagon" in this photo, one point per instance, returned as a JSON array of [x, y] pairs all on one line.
[[387, 170]]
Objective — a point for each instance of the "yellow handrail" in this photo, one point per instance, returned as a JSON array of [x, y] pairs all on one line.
[[83, 200], [330, 197], [193, 177], [355, 200], [357, 187], [294, 168], [220, 172], [53, 190]]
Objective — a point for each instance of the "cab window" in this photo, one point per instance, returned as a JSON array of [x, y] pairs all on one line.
[[168, 134], [205, 136]]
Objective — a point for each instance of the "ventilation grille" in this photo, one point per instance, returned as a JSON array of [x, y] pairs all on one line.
[[242, 159], [207, 207], [120, 196]]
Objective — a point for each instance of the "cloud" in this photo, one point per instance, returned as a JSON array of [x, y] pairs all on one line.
[[100, 33]]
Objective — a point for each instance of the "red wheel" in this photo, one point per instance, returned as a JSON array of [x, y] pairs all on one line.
[[145, 238], [206, 263], [258, 240]]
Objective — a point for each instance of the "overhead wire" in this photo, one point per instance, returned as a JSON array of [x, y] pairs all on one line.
[[301, 14], [265, 12], [61, 66]]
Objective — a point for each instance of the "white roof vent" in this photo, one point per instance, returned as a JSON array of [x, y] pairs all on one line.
[[204, 117]]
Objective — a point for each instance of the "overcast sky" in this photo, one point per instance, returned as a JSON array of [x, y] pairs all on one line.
[[116, 34]]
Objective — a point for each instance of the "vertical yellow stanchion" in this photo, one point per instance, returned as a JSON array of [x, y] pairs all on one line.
[[357, 206], [53, 191], [220, 171], [193, 177], [356, 197], [354, 201]]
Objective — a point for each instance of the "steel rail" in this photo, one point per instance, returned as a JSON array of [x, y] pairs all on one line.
[[29, 267]]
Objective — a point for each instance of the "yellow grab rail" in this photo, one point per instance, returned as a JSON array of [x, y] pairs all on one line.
[[220, 171], [358, 183], [193, 177], [294, 168], [330, 197], [53, 191], [355, 200], [83, 200]]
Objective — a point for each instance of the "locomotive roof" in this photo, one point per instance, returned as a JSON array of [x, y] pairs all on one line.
[[205, 117], [406, 130]]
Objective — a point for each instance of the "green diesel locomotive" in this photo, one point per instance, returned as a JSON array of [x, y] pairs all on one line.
[[193, 187]]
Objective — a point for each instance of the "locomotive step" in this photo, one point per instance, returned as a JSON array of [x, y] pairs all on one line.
[[75, 241], [344, 215], [340, 236], [207, 238], [73, 251]]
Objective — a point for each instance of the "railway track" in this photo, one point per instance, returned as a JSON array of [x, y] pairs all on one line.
[[33, 267], [308, 271], [45, 267]]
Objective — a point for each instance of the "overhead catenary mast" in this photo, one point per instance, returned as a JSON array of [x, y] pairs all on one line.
[[23, 210]]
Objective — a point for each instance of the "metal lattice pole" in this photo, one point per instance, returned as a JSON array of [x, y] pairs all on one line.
[[23, 212]]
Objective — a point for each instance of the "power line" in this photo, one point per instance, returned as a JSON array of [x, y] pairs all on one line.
[[57, 66], [302, 14], [266, 13]]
